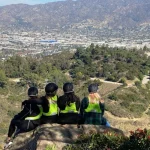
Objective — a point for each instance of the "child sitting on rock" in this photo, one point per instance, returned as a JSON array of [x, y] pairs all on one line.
[[69, 105], [92, 107], [28, 119]]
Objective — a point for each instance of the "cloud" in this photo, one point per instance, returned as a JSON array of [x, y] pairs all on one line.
[[30, 2]]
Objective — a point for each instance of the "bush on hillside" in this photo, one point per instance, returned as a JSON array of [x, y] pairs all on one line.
[[138, 83], [123, 81], [137, 109], [138, 140], [3, 79], [130, 76], [106, 141], [50, 147], [112, 96]]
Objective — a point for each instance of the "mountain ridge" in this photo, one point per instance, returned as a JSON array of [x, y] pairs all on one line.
[[105, 14]]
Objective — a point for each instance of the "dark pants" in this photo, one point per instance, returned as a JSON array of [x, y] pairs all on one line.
[[21, 126], [69, 118], [49, 119], [94, 118]]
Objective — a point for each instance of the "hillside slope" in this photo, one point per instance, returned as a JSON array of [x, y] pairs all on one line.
[[66, 14]]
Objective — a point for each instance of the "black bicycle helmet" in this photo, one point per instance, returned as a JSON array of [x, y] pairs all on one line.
[[51, 88], [32, 91], [93, 88], [68, 87]]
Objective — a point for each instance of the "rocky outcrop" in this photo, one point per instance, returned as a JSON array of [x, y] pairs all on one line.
[[54, 135]]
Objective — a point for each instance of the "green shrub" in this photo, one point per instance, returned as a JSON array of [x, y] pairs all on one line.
[[130, 76], [138, 83], [138, 140], [50, 147], [125, 104], [131, 97], [137, 109], [113, 96], [106, 141], [122, 80]]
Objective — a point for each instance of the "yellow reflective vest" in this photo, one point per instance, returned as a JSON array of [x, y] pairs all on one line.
[[70, 109], [38, 116], [53, 108], [93, 107]]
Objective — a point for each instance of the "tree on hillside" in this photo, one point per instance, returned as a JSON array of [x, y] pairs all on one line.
[[57, 76], [33, 78], [16, 66], [60, 61], [3, 79]]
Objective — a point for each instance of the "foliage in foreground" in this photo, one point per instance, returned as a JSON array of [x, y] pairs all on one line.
[[138, 140]]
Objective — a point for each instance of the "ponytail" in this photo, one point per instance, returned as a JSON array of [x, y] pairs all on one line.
[[94, 98], [70, 98]]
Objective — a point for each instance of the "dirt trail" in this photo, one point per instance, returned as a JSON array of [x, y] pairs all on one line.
[[104, 81], [110, 115], [145, 80]]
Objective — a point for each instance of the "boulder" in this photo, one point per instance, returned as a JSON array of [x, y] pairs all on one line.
[[55, 136]]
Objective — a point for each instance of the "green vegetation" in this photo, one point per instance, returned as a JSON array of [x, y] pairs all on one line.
[[138, 140], [110, 63], [113, 64], [3, 79], [49, 147], [131, 101], [112, 96]]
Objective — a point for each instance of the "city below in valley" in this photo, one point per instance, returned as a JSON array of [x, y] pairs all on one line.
[[48, 43]]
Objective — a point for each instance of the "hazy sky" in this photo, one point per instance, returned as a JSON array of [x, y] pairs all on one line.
[[30, 2]]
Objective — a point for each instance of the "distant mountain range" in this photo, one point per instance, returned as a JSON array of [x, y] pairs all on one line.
[[111, 14]]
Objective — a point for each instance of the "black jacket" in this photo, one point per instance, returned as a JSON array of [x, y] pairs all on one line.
[[43, 101], [29, 110]]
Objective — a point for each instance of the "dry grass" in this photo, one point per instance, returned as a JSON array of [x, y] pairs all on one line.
[[107, 88], [128, 124]]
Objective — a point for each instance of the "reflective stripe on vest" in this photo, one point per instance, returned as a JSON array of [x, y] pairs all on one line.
[[53, 109], [70, 109], [38, 116], [93, 107]]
